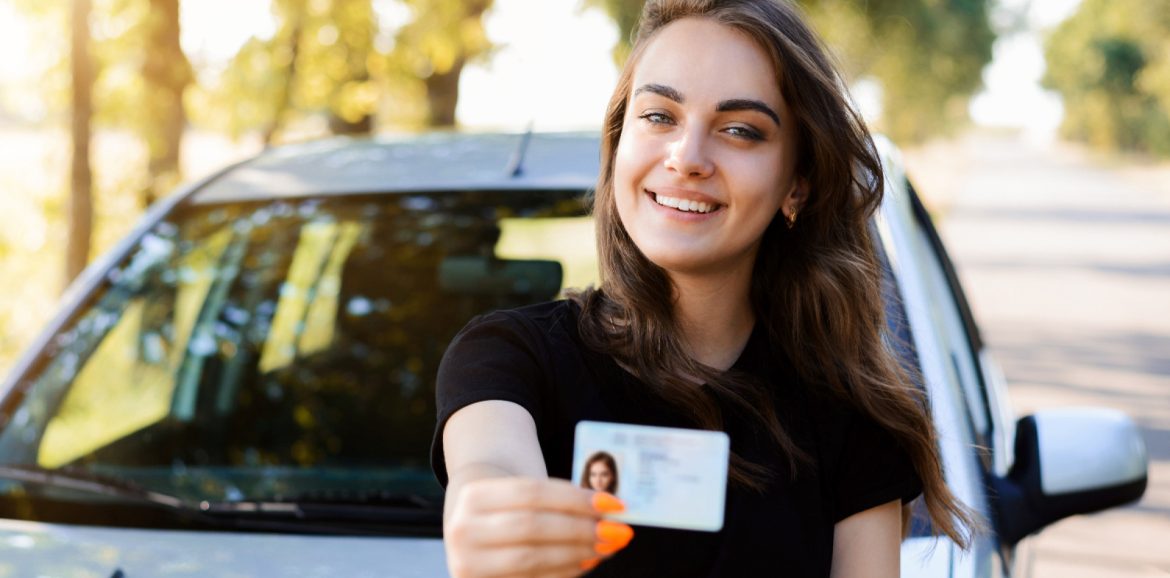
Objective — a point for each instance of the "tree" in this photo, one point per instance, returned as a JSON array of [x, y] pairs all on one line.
[[330, 66], [123, 68], [440, 39], [166, 73], [318, 64], [344, 49], [295, 14], [1110, 62], [69, 85], [625, 15], [928, 55], [81, 176]]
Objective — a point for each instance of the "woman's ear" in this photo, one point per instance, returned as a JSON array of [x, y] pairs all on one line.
[[797, 196]]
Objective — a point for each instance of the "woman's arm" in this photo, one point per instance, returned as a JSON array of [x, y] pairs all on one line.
[[503, 516], [489, 439], [868, 544]]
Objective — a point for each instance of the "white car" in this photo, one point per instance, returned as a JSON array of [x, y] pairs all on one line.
[[245, 386]]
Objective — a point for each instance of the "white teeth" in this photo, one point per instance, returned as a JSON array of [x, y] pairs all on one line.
[[684, 204]]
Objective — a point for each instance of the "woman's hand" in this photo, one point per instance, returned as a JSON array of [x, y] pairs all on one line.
[[503, 515], [515, 526]]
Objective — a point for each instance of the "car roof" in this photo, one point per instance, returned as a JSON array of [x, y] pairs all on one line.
[[415, 163]]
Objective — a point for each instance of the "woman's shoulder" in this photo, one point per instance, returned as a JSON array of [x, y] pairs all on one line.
[[540, 327], [506, 351], [857, 453], [547, 318], [836, 415], [551, 314]]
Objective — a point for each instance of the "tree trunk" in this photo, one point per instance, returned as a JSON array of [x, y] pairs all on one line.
[[355, 49], [81, 177], [443, 95], [290, 78], [443, 88], [339, 126], [167, 73], [363, 126]]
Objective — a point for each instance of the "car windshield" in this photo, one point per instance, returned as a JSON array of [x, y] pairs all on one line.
[[286, 350]]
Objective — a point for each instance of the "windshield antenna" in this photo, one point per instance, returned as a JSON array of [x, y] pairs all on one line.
[[516, 163]]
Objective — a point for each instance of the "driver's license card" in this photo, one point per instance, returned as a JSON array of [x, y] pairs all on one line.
[[667, 477]]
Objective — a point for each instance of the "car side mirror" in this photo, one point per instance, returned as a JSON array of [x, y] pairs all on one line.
[[1068, 461]]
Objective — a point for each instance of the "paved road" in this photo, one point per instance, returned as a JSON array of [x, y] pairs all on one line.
[[1066, 260]]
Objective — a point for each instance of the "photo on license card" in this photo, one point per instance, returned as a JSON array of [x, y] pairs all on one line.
[[667, 477]]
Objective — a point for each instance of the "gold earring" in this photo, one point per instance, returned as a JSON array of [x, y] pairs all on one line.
[[791, 219]]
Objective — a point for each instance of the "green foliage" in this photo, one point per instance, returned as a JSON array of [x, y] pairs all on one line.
[[440, 34], [928, 55], [326, 60], [245, 95], [1111, 64], [335, 61], [127, 64], [431, 50], [625, 14], [317, 64]]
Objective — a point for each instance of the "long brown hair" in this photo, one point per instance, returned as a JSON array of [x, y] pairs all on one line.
[[816, 287]]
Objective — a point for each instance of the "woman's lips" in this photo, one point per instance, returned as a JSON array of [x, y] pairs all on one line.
[[683, 194], [686, 209]]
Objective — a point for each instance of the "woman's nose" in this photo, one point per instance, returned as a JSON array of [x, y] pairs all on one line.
[[687, 156]]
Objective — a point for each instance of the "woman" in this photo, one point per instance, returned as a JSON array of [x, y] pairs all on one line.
[[600, 473], [740, 292]]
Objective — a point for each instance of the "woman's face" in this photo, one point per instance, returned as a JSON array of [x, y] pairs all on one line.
[[600, 476], [707, 152]]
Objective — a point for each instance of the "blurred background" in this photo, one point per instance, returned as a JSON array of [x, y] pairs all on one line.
[[1036, 130]]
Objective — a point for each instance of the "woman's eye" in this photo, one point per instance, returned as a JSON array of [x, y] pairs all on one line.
[[656, 118], [744, 132]]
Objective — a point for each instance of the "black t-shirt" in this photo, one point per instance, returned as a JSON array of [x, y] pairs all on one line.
[[534, 357]]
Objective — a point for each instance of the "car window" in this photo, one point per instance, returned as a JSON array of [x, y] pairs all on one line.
[[946, 310], [135, 387], [276, 349], [567, 240]]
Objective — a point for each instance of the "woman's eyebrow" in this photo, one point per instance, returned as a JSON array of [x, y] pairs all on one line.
[[723, 106], [748, 104], [661, 90]]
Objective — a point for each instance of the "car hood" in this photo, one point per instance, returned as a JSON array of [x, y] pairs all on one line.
[[35, 549]]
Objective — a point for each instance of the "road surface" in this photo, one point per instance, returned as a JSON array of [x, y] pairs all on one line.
[[1066, 260]]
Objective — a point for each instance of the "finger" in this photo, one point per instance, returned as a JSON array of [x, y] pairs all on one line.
[[533, 527], [602, 551], [584, 567], [570, 572], [496, 494], [536, 560]]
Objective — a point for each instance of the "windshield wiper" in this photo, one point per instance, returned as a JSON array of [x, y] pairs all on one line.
[[344, 513], [368, 507], [82, 481], [369, 497]]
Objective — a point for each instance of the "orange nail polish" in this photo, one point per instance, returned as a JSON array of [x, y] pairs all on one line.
[[618, 532], [590, 564], [607, 548], [606, 503]]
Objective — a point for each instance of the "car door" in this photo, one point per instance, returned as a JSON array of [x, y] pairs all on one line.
[[948, 347]]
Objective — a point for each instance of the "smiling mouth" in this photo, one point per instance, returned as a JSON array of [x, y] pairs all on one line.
[[684, 205]]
